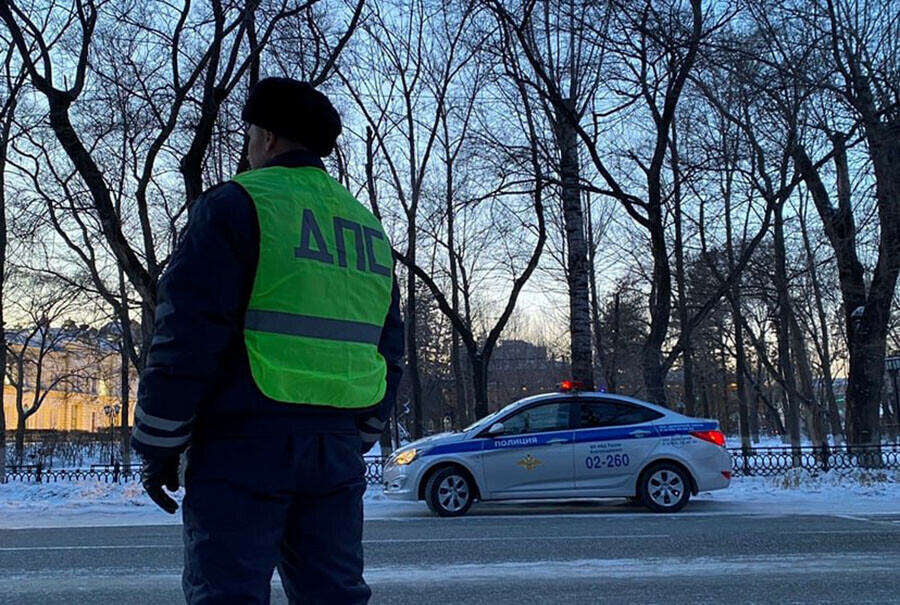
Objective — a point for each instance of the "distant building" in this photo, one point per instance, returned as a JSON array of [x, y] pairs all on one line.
[[80, 376], [519, 368]]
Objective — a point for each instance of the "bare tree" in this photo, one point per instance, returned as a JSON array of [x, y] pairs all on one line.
[[819, 327], [560, 36], [845, 54], [42, 304], [11, 85], [651, 50], [421, 50], [117, 201], [519, 178]]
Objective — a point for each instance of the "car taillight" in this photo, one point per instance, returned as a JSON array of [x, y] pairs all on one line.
[[716, 437]]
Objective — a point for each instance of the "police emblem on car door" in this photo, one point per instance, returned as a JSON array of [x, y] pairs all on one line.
[[534, 453], [529, 462]]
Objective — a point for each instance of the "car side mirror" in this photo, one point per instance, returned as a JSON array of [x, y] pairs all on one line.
[[496, 429]]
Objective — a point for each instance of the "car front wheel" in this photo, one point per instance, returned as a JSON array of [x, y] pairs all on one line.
[[665, 488], [449, 493]]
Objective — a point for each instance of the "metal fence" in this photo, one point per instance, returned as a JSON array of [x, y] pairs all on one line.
[[769, 461], [118, 473], [107, 473], [759, 461]]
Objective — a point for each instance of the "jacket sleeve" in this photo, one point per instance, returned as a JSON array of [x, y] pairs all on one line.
[[200, 301], [371, 423]]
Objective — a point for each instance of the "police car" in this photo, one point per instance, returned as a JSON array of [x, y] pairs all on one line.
[[569, 444]]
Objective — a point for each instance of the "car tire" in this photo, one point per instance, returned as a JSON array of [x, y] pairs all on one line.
[[449, 492], [665, 488]]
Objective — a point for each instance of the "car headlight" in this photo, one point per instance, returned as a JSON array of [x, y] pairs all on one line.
[[404, 458]]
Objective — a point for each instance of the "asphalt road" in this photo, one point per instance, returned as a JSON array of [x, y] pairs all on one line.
[[576, 553]]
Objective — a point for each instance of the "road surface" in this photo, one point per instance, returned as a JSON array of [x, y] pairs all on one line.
[[511, 554]]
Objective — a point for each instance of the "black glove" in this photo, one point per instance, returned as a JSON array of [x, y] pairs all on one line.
[[370, 429], [159, 472]]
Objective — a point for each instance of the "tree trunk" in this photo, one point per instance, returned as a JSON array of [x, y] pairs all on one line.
[[785, 363], [723, 416], [680, 282], [896, 400], [20, 438], [462, 404], [740, 373], [479, 382], [865, 383], [412, 352], [757, 397], [126, 348], [577, 254], [660, 303], [824, 349], [612, 363], [600, 360], [815, 417], [125, 391], [385, 440], [888, 415], [191, 165], [866, 313], [4, 146], [774, 417], [707, 413], [741, 369]]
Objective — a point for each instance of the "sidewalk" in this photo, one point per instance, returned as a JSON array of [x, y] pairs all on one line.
[[91, 503]]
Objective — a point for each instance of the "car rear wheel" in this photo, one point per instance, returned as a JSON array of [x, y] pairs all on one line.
[[665, 488], [449, 493]]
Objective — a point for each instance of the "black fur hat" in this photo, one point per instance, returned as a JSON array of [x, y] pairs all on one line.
[[296, 111]]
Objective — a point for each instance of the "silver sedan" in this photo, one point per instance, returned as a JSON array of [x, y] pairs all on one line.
[[565, 445]]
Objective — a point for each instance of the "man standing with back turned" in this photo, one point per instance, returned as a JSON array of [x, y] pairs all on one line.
[[276, 358]]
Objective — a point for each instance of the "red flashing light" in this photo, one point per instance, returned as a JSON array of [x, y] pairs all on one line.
[[567, 386], [714, 437]]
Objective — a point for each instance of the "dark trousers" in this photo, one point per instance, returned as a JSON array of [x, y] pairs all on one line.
[[256, 503]]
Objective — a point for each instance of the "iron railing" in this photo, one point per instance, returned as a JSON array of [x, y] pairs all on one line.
[[757, 461], [118, 473], [769, 461], [107, 473]]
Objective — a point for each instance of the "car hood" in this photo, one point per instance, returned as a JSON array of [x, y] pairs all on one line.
[[433, 440]]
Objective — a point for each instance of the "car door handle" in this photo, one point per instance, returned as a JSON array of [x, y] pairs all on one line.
[[557, 441], [640, 433]]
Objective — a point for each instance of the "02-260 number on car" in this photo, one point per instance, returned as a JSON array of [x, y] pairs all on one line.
[[610, 461]]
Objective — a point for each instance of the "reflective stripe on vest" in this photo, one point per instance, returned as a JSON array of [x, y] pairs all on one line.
[[313, 327], [321, 293]]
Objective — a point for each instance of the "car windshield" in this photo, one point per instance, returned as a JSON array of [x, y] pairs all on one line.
[[487, 419]]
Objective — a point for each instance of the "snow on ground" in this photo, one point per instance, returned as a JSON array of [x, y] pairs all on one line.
[[799, 490], [77, 503], [92, 503]]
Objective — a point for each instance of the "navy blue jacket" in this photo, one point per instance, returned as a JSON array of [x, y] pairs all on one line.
[[197, 377]]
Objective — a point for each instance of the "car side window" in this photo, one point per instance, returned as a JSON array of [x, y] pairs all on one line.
[[539, 419], [613, 413]]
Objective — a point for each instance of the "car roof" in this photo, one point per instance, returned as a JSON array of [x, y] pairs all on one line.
[[587, 395]]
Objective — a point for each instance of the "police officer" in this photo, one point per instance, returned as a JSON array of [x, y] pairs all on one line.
[[276, 359]]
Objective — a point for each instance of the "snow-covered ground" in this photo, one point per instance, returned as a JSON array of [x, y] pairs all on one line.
[[89, 503]]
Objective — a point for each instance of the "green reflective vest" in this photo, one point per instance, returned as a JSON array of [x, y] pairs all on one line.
[[321, 294]]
